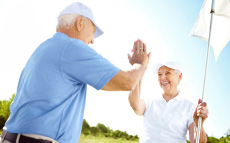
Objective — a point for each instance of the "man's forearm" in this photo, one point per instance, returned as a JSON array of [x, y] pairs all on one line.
[[126, 80], [135, 75]]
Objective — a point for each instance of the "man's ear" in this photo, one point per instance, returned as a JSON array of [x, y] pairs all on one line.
[[78, 23], [180, 76]]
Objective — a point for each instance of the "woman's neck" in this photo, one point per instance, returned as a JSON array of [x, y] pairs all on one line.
[[169, 95]]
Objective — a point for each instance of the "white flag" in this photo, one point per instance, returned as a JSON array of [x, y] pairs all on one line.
[[220, 34]]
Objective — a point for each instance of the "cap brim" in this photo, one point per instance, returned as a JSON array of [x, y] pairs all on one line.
[[98, 32], [156, 67], [171, 65]]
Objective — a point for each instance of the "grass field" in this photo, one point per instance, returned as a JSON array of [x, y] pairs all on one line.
[[93, 139]]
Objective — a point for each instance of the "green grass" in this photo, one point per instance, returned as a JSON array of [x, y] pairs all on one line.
[[100, 139], [94, 139], [0, 131]]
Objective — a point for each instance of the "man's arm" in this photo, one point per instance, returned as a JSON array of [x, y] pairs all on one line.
[[127, 80]]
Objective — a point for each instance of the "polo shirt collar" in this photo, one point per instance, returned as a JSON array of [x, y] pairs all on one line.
[[178, 97]]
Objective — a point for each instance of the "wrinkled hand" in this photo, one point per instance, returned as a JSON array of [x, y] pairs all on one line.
[[139, 54], [201, 111]]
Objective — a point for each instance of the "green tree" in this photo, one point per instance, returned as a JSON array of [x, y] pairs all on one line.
[[109, 133], [94, 131], [85, 128], [125, 135], [102, 128], [135, 137], [2, 122], [117, 134], [222, 140], [5, 110], [212, 140], [227, 139]]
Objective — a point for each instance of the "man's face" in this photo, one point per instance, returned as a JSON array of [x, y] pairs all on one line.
[[87, 33], [168, 79]]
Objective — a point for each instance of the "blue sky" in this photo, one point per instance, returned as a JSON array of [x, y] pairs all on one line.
[[177, 20], [163, 26]]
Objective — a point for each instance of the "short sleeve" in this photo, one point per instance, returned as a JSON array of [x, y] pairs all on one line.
[[147, 104], [81, 64], [192, 109]]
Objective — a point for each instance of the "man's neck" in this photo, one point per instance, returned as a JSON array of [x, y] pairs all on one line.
[[68, 32]]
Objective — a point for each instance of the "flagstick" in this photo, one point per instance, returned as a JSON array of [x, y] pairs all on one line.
[[206, 68]]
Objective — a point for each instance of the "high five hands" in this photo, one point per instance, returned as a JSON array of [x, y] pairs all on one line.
[[139, 54]]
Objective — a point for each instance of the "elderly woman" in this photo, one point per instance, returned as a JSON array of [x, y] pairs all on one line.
[[168, 119]]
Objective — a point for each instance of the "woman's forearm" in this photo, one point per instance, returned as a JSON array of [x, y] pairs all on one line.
[[137, 104], [134, 96], [203, 137]]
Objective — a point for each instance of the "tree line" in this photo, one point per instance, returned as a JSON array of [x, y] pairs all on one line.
[[102, 130], [98, 130], [5, 110]]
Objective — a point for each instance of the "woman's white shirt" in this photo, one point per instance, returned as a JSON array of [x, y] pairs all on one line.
[[167, 122]]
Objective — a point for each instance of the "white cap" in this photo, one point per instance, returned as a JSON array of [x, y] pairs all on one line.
[[79, 8], [172, 65]]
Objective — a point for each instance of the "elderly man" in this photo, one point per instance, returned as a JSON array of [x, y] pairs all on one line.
[[167, 120], [50, 100]]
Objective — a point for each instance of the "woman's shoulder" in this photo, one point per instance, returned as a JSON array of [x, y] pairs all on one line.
[[186, 99]]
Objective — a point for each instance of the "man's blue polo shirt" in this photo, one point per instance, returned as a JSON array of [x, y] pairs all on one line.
[[51, 92]]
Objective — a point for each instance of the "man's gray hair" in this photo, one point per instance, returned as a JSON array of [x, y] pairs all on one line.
[[67, 21]]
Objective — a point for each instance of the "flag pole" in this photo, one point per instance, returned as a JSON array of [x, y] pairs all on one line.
[[206, 68]]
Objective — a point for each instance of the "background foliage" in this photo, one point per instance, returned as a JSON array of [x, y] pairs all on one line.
[[102, 131], [99, 133], [5, 110]]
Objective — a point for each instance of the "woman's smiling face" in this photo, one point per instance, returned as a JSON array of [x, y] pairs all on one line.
[[168, 79]]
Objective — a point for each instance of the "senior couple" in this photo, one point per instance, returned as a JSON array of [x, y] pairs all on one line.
[[51, 93]]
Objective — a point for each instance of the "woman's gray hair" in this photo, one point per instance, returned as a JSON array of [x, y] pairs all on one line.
[[67, 21], [178, 71]]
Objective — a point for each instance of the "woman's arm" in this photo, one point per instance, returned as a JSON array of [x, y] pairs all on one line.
[[193, 133], [135, 102], [201, 111], [203, 137]]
